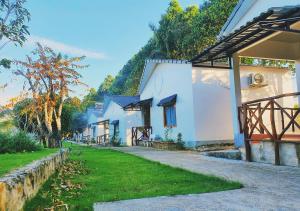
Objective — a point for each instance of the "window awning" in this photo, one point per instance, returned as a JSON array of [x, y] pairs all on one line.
[[103, 122], [115, 122], [139, 104], [275, 19], [171, 100]]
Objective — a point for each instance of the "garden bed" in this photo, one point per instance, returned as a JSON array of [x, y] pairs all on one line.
[[166, 145]]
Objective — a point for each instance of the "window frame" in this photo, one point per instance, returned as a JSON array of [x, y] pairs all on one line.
[[165, 116]]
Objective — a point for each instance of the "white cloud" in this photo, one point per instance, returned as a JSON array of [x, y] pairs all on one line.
[[64, 48]]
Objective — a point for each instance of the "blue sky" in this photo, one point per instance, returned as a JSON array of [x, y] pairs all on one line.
[[108, 32]]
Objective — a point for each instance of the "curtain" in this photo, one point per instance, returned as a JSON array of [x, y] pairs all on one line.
[[170, 116]]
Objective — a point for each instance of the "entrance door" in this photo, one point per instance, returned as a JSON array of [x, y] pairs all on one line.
[[146, 115]]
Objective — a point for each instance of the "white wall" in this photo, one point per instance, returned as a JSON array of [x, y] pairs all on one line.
[[115, 112], [127, 120], [279, 81], [166, 80], [213, 119], [132, 119]]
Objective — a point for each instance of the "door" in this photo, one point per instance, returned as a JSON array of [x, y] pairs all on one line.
[[146, 115]]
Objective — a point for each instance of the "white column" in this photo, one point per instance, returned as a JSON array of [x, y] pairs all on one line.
[[236, 101], [298, 79]]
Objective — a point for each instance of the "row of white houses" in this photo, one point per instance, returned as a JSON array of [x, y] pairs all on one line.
[[210, 102]]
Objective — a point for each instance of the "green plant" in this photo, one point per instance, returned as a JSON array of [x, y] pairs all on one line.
[[18, 142], [168, 132], [115, 141], [179, 141]]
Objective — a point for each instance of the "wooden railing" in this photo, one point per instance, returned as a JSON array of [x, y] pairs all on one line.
[[86, 138], [267, 119], [140, 134], [103, 139]]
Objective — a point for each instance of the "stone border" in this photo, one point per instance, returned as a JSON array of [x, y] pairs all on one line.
[[23, 184]]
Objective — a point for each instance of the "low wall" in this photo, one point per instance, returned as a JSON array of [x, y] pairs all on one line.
[[24, 183], [264, 152]]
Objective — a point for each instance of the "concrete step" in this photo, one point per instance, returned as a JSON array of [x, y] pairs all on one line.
[[233, 154]]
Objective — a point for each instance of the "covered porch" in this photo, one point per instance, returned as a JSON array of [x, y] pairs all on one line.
[[268, 125], [141, 133], [102, 137]]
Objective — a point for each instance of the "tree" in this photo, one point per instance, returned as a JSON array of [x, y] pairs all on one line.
[[49, 77], [24, 116], [104, 87], [89, 99], [13, 19], [70, 109], [167, 34], [180, 34]]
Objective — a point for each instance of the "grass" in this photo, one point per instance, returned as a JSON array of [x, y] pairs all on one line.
[[117, 176], [13, 161]]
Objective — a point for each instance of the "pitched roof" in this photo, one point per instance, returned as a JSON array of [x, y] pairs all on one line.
[[124, 100], [150, 65], [121, 100], [249, 33]]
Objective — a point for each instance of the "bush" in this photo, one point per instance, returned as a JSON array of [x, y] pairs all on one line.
[[179, 141], [116, 141], [18, 142]]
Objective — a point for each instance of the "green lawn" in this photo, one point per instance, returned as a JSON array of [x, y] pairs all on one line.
[[115, 176], [9, 162]]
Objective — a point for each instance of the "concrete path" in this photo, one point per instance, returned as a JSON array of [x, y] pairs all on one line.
[[267, 187]]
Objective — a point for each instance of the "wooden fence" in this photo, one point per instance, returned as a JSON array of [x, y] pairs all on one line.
[[140, 134], [267, 119]]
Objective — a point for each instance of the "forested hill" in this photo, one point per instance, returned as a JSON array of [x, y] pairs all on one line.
[[180, 34]]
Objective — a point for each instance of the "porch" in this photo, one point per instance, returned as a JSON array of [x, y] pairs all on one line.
[[101, 132], [271, 131], [141, 134], [268, 126]]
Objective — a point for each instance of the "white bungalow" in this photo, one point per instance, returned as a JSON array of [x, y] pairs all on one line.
[[95, 126], [120, 120], [266, 121], [194, 100]]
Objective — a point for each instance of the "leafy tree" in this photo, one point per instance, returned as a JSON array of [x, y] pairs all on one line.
[[70, 109], [180, 34], [49, 79], [13, 20], [24, 116], [104, 87], [89, 100]]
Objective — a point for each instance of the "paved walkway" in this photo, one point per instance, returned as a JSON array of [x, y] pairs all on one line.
[[267, 187]]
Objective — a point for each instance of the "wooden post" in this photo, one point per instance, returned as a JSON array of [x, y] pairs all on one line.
[[246, 131], [274, 134], [293, 124], [260, 119], [282, 119]]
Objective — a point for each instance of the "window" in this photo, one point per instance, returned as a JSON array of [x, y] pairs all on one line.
[[116, 129], [170, 116]]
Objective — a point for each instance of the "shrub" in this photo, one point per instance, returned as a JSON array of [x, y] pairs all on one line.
[[115, 141], [168, 138], [179, 141], [18, 142]]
